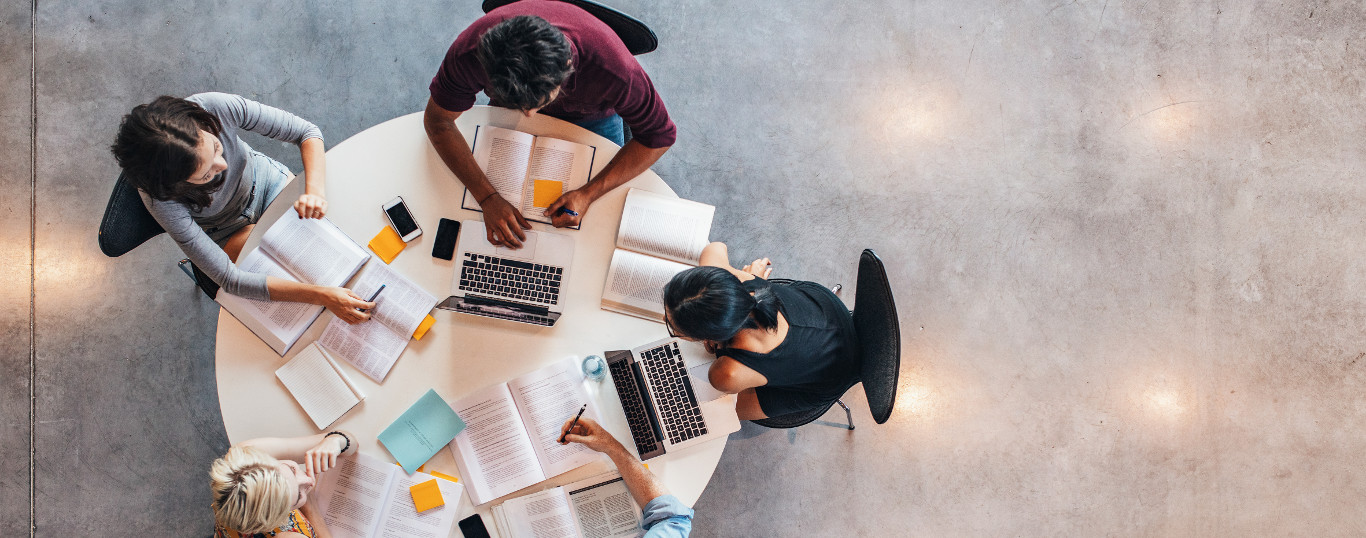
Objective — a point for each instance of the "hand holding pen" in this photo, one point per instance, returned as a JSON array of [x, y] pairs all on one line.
[[572, 424]]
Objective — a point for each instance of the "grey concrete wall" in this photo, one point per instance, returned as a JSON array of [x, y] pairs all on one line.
[[16, 186]]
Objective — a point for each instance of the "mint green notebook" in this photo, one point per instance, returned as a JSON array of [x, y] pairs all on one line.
[[421, 431]]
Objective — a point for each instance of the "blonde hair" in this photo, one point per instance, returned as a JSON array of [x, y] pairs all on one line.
[[250, 495]]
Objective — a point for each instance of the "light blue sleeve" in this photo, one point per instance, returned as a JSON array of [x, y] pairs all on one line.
[[666, 517], [261, 119]]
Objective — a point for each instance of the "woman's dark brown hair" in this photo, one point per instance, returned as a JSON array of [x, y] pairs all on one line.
[[158, 148]]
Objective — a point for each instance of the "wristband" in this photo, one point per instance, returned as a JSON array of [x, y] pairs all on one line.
[[490, 195], [347, 439]]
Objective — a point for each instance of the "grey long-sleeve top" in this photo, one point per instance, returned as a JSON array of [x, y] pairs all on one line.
[[236, 113]]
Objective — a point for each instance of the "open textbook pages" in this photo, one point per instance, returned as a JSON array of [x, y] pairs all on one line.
[[373, 346], [512, 431], [313, 251], [596, 507], [365, 497], [319, 385], [530, 172], [659, 237]]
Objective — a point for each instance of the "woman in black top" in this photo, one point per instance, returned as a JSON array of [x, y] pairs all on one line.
[[784, 347]]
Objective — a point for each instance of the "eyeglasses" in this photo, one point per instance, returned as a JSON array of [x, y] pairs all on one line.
[[670, 327]]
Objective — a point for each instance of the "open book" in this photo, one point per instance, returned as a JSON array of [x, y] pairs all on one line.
[[365, 497], [596, 507], [319, 385], [374, 345], [313, 251], [530, 172], [659, 237], [512, 431]]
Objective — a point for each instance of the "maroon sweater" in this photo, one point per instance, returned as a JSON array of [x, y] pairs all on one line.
[[606, 78]]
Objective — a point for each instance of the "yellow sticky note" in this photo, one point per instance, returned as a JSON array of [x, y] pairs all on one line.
[[426, 496], [423, 327], [545, 192], [387, 244], [440, 474]]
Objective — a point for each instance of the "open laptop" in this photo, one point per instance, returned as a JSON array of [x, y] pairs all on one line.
[[519, 285], [669, 403]]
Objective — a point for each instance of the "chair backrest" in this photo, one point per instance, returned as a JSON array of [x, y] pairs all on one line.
[[638, 37], [126, 222], [879, 335]]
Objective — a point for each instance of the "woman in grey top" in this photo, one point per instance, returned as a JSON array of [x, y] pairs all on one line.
[[207, 188]]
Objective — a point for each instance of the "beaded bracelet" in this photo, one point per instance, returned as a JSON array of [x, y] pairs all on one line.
[[348, 440]]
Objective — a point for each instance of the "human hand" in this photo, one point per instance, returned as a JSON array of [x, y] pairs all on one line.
[[345, 304], [323, 456], [590, 434], [311, 206], [761, 268], [503, 222], [576, 201]]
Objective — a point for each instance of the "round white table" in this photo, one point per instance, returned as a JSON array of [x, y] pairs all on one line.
[[461, 353]]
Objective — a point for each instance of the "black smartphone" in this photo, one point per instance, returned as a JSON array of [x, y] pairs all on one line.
[[473, 527], [446, 233]]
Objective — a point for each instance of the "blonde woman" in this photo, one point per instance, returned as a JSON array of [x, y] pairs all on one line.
[[261, 487]]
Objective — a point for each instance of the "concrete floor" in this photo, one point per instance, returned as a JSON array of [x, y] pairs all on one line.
[[1125, 238]]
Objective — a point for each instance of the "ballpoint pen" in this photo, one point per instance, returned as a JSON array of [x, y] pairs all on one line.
[[372, 297], [567, 211], [576, 423]]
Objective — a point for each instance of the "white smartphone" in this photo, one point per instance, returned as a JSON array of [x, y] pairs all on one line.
[[401, 219]]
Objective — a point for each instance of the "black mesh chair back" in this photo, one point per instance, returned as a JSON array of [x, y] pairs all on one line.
[[879, 335], [638, 37], [126, 222]]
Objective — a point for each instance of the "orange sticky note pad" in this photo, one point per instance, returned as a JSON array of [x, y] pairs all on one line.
[[387, 244], [423, 327], [545, 192], [426, 496]]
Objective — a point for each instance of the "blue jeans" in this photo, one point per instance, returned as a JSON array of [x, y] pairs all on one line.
[[610, 128]]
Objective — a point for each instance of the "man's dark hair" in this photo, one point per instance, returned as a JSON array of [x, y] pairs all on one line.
[[525, 59]]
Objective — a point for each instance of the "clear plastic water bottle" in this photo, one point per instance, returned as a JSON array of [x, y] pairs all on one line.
[[594, 368]]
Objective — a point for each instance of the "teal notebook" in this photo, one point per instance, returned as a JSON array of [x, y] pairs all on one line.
[[421, 431]]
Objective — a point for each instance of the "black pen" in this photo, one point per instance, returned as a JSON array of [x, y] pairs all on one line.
[[576, 423], [372, 297]]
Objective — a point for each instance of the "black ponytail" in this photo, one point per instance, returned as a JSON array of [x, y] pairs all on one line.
[[710, 303]]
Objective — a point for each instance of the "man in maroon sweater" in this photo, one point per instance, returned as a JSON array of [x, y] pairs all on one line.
[[551, 57]]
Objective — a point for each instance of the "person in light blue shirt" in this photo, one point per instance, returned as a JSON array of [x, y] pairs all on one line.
[[664, 515]]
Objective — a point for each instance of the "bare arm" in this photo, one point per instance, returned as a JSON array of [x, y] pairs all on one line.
[[340, 301], [730, 376], [312, 204], [317, 452], [643, 484], [503, 222], [717, 255], [633, 160]]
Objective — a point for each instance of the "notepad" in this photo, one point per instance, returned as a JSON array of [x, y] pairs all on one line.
[[319, 385], [421, 431], [426, 495], [387, 244]]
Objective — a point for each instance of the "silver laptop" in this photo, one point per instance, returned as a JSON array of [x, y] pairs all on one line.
[[519, 285], [668, 401]]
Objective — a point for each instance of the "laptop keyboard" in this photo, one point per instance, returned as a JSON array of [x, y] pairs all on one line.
[[673, 394], [523, 281], [637, 416]]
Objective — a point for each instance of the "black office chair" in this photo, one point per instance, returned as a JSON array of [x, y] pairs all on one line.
[[879, 334], [127, 224], [638, 37]]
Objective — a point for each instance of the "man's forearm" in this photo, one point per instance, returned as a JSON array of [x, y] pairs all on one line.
[[643, 484], [455, 151], [633, 159]]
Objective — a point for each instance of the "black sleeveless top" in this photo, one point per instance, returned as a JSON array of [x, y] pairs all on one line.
[[818, 357]]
